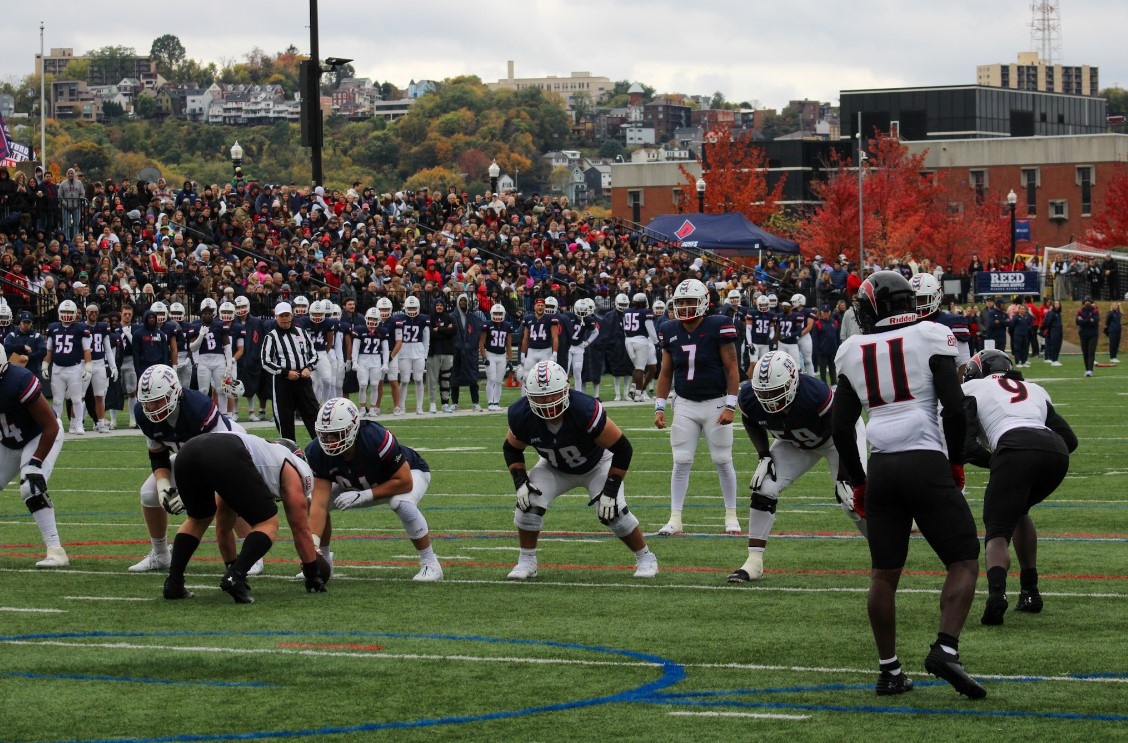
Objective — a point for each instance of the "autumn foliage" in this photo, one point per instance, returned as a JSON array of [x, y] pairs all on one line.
[[735, 173], [1110, 220]]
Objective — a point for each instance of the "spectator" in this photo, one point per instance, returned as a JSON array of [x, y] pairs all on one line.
[[1112, 330], [1088, 325]]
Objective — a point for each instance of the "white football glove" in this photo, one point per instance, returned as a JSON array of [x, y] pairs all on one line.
[[113, 372], [87, 372], [353, 499], [608, 507], [524, 494], [171, 501], [383, 369], [47, 373], [33, 482], [348, 366], [844, 493], [764, 470]]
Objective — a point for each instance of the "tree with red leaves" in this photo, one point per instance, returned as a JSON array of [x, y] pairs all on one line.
[[1109, 228], [735, 173]]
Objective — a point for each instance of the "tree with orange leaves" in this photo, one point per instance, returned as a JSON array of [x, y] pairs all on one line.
[[1110, 221], [735, 173]]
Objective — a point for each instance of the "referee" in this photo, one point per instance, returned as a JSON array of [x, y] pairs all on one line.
[[288, 356]]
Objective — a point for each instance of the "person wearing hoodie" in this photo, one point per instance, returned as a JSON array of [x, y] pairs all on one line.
[[468, 325], [150, 344]]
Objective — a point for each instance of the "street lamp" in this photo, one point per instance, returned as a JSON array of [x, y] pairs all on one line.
[[701, 194], [236, 157], [1012, 201], [495, 171]]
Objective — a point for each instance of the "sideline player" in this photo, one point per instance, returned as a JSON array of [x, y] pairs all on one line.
[[68, 365], [32, 438], [103, 366], [1028, 448], [897, 370], [579, 447], [495, 347], [759, 327], [391, 327], [585, 332], [540, 340], [642, 337], [221, 479], [795, 409], [359, 464], [369, 350], [806, 321], [416, 336], [699, 363]]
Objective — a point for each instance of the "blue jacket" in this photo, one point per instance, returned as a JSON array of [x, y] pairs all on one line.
[[1112, 323], [1051, 324], [15, 341], [1021, 325], [996, 329], [1088, 322], [824, 337], [150, 345]]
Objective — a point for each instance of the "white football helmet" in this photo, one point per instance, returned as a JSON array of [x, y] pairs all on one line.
[[640, 300], [622, 301], [773, 301], [177, 312], [546, 386], [763, 303], [584, 307], [929, 295], [242, 306], [691, 300], [551, 305], [208, 305], [734, 297], [227, 312], [160, 309], [411, 306], [68, 312], [775, 381], [334, 311], [372, 318], [159, 392], [231, 386], [338, 423], [5, 315], [497, 313], [301, 306], [659, 309], [798, 300], [384, 307]]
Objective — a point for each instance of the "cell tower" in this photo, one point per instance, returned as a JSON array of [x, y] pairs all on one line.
[[1045, 31]]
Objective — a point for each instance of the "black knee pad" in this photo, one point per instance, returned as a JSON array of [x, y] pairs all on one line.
[[763, 503], [38, 502]]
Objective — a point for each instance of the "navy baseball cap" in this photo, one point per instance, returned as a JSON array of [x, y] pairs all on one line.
[[26, 316]]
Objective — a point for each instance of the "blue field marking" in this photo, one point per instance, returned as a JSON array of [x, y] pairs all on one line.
[[672, 673], [134, 680]]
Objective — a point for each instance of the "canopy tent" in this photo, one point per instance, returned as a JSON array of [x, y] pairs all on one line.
[[729, 234]]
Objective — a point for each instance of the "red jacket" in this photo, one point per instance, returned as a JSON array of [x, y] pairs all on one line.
[[853, 283]]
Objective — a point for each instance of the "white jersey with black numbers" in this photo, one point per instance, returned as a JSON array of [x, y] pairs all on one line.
[[1006, 404], [269, 458], [891, 375]]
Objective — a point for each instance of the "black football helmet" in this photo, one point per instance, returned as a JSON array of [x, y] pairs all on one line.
[[292, 446], [987, 362], [885, 300]]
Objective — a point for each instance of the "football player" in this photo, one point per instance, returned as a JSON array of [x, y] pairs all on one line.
[[250, 368], [579, 447], [68, 363], [699, 364], [415, 333], [103, 366], [174, 323], [897, 370], [369, 349], [759, 328], [585, 332], [341, 348], [495, 348], [642, 337], [236, 475], [795, 409], [123, 344], [929, 296], [321, 329], [789, 326], [1027, 450], [212, 350], [232, 389], [169, 416], [616, 362], [391, 327], [301, 312], [540, 340], [806, 321], [734, 310], [359, 464], [32, 438]]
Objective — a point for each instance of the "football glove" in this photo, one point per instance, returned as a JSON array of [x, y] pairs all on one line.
[[314, 583], [32, 480], [766, 469], [524, 494], [87, 372], [171, 501], [47, 373], [383, 369], [113, 372], [844, 494], [608, 499], [958, 475], [353, 499], [860, 500]]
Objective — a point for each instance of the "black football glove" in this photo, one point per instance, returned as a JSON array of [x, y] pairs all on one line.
[[313, 580]]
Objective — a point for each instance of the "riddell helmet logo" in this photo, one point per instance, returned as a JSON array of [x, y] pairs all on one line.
[[901, 319], [685, 230]]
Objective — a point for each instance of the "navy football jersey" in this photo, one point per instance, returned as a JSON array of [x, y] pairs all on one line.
[[496, 333], [18, 390], [540, 329], [376, 458], [214, 336], [789, 326], [699, 373], [806, 421], [368, 340], [571, 449], [956, 323], [195, 415], [178, 332], [67, 342], [99, 340], [235, 331], [413, 327], [634, 321], [319, 332], [302, 321], [582, 328], [760, 324], [392, 328]]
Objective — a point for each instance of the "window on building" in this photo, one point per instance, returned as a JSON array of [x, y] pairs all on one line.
[[679, 197], [1059, 209], [1085, 181], [1031, 179], [978, 181]]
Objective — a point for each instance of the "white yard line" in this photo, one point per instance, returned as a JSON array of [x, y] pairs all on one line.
[[24, 610], [106, 598], [758, 715]]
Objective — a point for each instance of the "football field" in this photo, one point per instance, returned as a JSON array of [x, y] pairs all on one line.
[[584, 651]]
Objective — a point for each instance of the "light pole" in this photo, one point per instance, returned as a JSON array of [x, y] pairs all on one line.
[[237, 159], [861, 210], [1012, 201], [495, 171], [701, 194], [42, 102]]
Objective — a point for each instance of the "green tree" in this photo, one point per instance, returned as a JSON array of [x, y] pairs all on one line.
[[145, 106], [1117, 106], [611, 148], [167, 52], [77, 69], [112, 110], [717, 101], [88, 157], [560, 178], [109, 64], [581, 106]]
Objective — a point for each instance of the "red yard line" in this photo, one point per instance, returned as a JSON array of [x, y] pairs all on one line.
[[328, 647]]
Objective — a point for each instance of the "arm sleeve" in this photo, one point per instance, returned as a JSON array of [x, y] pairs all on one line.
[[847, 409], [757, 435], [1058, 425], [948, 391], [651, 333], [974, 452], [594, 334]]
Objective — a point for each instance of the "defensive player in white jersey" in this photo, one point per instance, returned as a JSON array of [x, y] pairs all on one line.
[[699, 364], [897, 370], [495, 347], [67, 363], [416, 337], [1013, 429]]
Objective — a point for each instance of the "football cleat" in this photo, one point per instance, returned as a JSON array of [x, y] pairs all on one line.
[[523, 570], [646, 566], [673, 526], [152, 561], [732, 526], [56, 558], [888, 684], [752, 569], [1029, 601], [429, 572], [174, 589], [256, 569], [235, 586], [948, 667], [995, 609]]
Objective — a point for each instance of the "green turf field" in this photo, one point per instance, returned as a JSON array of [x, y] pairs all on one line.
[[583, 652]]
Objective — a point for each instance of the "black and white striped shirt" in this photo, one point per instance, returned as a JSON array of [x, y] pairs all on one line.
[[288, 350]]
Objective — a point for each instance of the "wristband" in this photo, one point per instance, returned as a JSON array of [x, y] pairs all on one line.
[[730, 402], [35, 462], [659, 404], [612, 485]]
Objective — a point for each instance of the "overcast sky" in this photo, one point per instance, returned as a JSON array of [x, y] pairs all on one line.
[[755, 51]]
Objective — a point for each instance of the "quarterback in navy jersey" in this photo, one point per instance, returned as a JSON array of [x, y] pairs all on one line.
[[579, 447], [796, 410], [540, 341], [494, 347], [169, 416], [68, 363], [359, 464], [32, 439], [699, 364]]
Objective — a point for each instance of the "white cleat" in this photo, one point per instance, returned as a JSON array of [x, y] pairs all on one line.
[[646, 566], [429, 572], [752, 569], [477, 408], [523, 571], [152, 561], [256, 569], [253, 418], [673, 526], [733, 527], [434, 409], [56, 558]]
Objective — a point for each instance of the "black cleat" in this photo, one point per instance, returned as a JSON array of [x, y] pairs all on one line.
[[174, 589], [889, 685], [740, 575], [948, 667], [235, 585], [1029, 601], [995, 609]]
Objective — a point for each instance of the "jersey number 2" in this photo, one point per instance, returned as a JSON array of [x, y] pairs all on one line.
[[901, 391]]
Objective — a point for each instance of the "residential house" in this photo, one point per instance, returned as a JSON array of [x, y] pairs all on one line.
[[423, 87], [598, 180], [73, 99]]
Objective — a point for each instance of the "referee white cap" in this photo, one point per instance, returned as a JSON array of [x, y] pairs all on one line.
[[283, 308]]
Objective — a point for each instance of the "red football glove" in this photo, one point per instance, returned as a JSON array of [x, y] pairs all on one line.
[[860, 500], [958, 475]]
